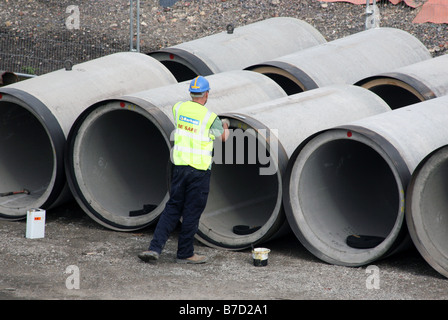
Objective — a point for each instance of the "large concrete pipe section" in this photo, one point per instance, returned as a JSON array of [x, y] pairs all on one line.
[[245, 200], [346, 60], [36, 116], [411, 84], [345, 193], [238, 48], [118, 161], [427, 209]]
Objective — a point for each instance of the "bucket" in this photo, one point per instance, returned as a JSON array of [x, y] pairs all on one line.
[[260, 256]]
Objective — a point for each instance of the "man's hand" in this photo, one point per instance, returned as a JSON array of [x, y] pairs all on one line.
[[226, 121], [225, 126]]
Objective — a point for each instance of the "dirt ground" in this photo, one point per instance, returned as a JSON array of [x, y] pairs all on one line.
[[80, 260]]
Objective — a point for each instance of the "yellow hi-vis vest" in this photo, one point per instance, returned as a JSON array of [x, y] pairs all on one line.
[[193, 143]]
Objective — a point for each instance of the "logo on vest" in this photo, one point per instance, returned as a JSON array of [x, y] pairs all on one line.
[[189, 120]]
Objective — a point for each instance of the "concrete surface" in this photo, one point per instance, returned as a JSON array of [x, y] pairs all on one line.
[[106, 264]]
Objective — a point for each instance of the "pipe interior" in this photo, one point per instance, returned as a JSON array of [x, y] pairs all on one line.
[[394, 92], [180, 71], [123, 163], [239, 194], [285, 83], [434, 207], [290, 84], [27, 156], [179, 67], [395, 97], [347, 188]]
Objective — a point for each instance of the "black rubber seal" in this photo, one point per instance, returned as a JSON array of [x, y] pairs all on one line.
[[244, 230], [363, 241]]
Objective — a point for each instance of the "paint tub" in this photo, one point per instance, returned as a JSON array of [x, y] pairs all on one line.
[[260, 256]]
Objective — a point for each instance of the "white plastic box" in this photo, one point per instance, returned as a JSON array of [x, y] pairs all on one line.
[[35, 223]]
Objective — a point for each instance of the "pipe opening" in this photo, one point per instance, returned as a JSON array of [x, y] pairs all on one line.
[[343, 187], [356, 191], [290, 84], [27, 158], [179, 71], [182, 64], [394, 92], [121, 163], [240, 194]]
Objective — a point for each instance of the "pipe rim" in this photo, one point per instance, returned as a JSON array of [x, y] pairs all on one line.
[[400, 172], [272, 226], [56, 139], [141, 108], [429, 247]]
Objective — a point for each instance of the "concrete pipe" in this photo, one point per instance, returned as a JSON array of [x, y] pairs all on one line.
[[118, 161], [346, 60], [345, 193], [36, 116], [411, 84], [427, 209], [238, 48], [245, 199]]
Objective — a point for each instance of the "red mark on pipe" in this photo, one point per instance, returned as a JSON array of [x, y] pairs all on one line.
[[122, 104], [349, 134], [1, 96], [171, 56]]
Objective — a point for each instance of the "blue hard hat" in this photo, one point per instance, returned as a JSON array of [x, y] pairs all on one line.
[[199, 84]]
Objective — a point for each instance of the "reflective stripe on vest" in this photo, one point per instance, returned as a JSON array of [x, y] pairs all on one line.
[[192, 143], [195, 151]]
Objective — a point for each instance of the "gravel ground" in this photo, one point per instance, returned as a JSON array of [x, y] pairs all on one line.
[[110, 269], [187, 20], [107, 260]]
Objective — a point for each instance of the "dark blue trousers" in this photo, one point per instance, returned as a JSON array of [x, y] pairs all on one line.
[[188, 197]]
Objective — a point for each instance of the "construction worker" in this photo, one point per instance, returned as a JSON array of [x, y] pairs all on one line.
[[196, 128]]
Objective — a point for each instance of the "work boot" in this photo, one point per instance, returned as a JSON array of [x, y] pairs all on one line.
[[148, 256], [194, 259]]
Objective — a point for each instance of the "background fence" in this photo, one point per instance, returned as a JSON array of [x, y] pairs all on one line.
[[41, 35], [36, 56]]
